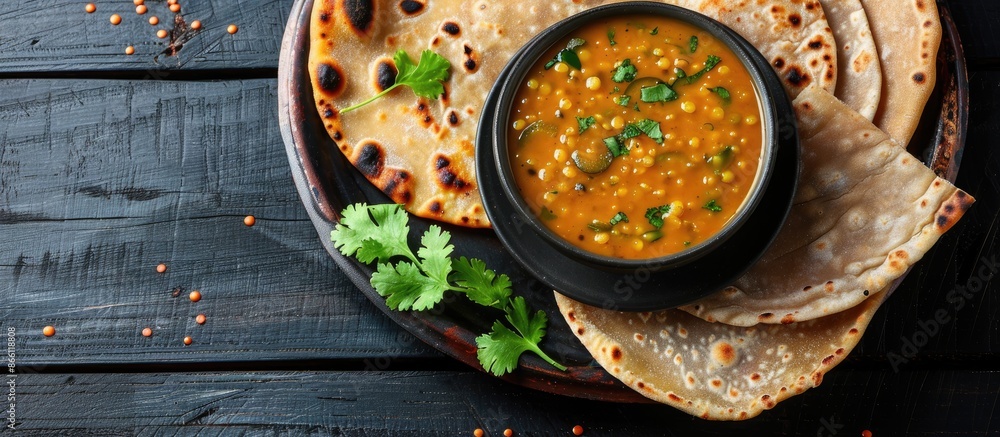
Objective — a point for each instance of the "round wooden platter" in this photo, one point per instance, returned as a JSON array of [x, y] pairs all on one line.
[[327, 183]]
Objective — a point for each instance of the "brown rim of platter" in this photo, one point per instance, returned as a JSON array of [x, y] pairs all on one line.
[[327, 182]]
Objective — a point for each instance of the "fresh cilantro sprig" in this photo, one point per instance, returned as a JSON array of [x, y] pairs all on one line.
[[710, 63], [723, 94], [657, 93], [712, 206], [425, 78], [655, 215], [418, 281], [625, 72], [585, 123]]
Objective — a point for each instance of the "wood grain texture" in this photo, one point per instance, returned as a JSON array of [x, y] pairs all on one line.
[[455, 403], [102, 180], [59, 36]]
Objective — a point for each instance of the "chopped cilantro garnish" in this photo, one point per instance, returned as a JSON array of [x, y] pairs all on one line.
[[710, 63], [657, 93], [568, 55], [630, 131], [693, 44], [618, 218], [615, 146], [655, 31], [547, 214], [623, 100], [615, 90], [655, 215], [712, 206], [625, 72], [611, 36], [418, 281], [679, 72], [584, 123], [722, 92], [651, 129], [687, 243], [424, 78]]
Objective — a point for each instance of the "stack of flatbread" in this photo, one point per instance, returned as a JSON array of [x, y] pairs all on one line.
[[860, 73]]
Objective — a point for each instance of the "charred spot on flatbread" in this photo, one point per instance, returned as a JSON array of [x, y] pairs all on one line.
[[447, 176], [796, 77], [384, 74], [398, 185], [411, 7], [370, 159], [451, 28], [330, 79], [360, 15]]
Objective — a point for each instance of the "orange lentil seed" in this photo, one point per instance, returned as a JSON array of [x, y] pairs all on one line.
[[232, 29], [138, 2], [116, 19], [249, 220], [508, 432], [90, 8], [129, 50], [146, 332], [141, 9], [478, 432], [175, 7], [170, 2], [866, 433], [162, 33], [49, 331], [195, 296], [153, 20], [160, 268], [200, 319], [188, 341], [578, 430], [196, 24]]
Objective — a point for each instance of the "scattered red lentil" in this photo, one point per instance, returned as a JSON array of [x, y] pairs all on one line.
[[170, 2], [141, 9], [161, 268], [116, 19], [90, 8], [146, 332], [578, 430], [200, 319], [508, 432], [187, 341], [162, 33], [138, 2], [195, 296], [153, 20], [866, 433], [478, 432], [232, 29], [196, 24], [175, 7], [49, 331], [249, 220], [129, 50]]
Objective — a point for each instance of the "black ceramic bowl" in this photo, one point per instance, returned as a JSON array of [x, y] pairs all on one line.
[[640, 284]]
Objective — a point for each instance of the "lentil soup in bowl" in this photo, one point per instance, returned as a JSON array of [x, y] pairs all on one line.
[[638, 136]]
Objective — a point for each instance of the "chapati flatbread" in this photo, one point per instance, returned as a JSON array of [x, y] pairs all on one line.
[[907, 34], [794, 36], [865, 211], [421, 152], [859, 72], [711, 370]]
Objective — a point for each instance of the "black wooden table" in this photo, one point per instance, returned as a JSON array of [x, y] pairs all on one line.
[[111, 164]]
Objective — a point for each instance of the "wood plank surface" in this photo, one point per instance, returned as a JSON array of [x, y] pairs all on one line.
[[103, 180], [919, 403], [45, 36]]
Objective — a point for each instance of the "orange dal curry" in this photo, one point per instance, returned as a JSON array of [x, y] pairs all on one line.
[[636, 138]]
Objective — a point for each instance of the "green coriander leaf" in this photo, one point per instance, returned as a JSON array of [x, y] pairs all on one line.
[[384, 223], [687, 243], [657, 93], [712, 206], [532, 328], [679, 72], [406, 288], [483, 286], [585, 123], [709, 65], [425, 78], [615, 90], [568, 55], [611, 36], [625, 72], [655, 215], [693, 44], [630, 131], [651, 129], [623, 100], [499, 350], [618, 218], [655, 31], [722, 92], [616, 147], [435, 255], [547, 214]]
